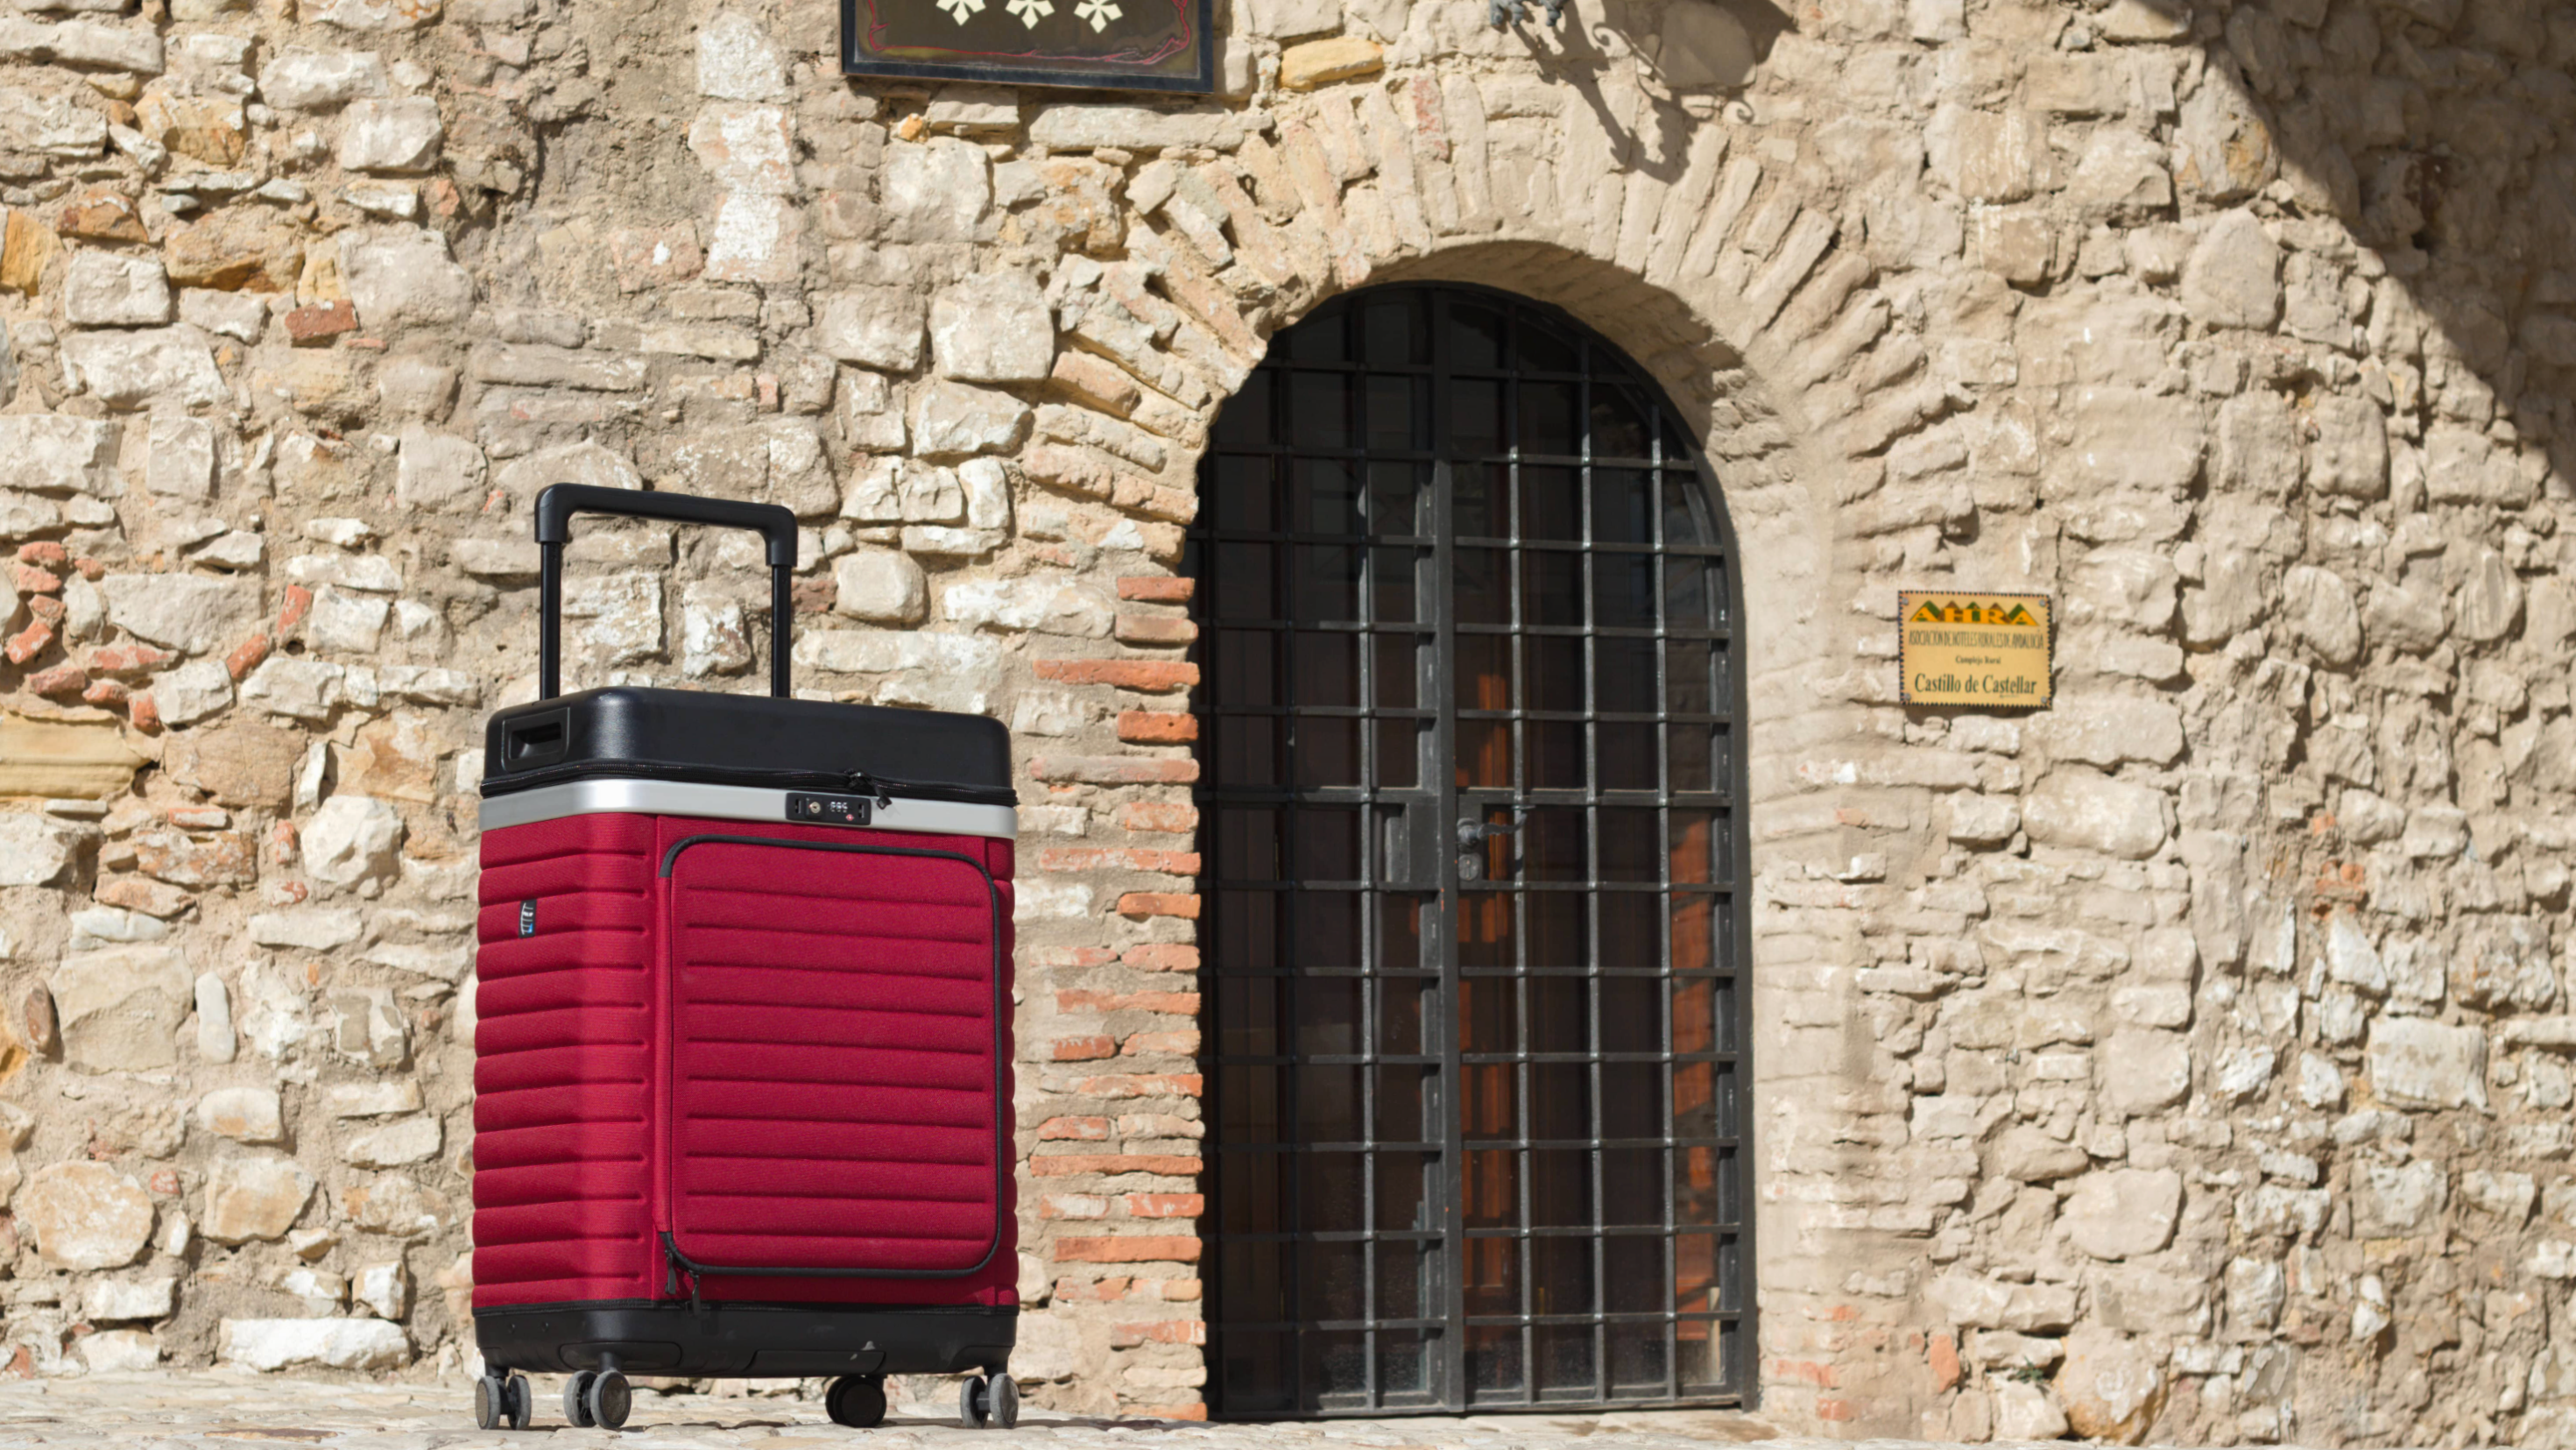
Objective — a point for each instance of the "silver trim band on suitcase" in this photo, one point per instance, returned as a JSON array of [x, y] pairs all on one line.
[[730, 803]]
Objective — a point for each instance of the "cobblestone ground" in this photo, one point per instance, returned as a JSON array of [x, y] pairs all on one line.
[[221, 1411]]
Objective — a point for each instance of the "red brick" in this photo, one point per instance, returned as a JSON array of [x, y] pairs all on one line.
[[1183, 904], [1154, 629], [1128, 1249], [814, 596], [46, 608], [246, 656], [1157, 727], [317, 324], [1163, 957], [1083, 1049], [1156, 816], [92, 570], [1172, 1412], [63, 679], [1166, 1205], [1152, 499], [299, 603], [1146, 677], [1117, 858], [28, 579], [1114, 769], [1089, 1130], [30, 642], [45, 553], [1943, 1355], [1097, 381], [1159, 1331], [145, 715], [1177, 1004], [128, 659], [1146, 1044], [1170, 1165], [1182, 1291], [1143, 1085], [1097, 1291], [1073, 956], [1836, 1409], [1157, 588], [1804, 1371], [107, 693]]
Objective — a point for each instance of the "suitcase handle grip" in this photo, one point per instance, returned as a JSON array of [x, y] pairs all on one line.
[[560, 501]]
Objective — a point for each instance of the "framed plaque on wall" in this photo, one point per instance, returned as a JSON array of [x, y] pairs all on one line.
[[1145, 45]]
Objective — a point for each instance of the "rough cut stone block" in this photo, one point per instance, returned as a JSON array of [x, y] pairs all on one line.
[[310, 80], [883, 585], [737, 61], [169, 365], [105, 289], [352, 839], [187, 612], [86, 1215], [875, 327], [993, 328], [2233, 276], [403, 277], [1322, 62], [2081, 809], [275, 1344], [244, 1114], [399, 135], [119, 1009], [192, 692], [2418, 1064], [57, 453], [437, 471], [746, 148], [2123, 1212], [1085, 128], [952, 418]]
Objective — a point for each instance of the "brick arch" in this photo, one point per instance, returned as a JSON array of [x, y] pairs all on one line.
[[1782, 354]]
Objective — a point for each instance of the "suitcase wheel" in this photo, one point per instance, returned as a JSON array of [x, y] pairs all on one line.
[[988, 1400], [503, 1400], [575, 1413], [605, 1399], [857, 1400]]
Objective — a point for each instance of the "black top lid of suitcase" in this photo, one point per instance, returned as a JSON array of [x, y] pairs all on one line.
[[752, 740]]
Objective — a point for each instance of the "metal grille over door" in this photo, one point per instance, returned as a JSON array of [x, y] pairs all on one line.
[[1469, 796]]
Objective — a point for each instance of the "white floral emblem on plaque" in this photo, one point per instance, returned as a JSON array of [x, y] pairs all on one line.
[[960, 9], [1098, 12], [1032, 11]]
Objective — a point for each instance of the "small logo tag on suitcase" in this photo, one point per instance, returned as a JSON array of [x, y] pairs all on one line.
[[528, 917]]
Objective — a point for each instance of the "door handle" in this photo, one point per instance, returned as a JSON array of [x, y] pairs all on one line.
[[1472, 836]]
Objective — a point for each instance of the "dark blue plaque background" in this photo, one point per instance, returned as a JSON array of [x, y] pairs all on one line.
[[1151, 45]]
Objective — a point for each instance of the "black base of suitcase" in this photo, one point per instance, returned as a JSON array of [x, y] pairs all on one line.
[[754, 1341]]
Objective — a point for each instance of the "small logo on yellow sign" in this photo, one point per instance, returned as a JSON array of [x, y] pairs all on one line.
[[1994, 650]]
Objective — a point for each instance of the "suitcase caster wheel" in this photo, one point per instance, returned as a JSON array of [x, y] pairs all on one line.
[[988, 1400], [605, 1399], [577, 1414], [856, 1400], [502, 1400]]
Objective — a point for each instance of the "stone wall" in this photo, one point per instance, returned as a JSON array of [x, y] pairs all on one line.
[[2187, 1059]]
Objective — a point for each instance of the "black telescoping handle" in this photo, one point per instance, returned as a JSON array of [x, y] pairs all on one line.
[[559, 502]]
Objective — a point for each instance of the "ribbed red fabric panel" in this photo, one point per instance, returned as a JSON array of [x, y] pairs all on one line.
[[563, 1062], [834, 1084], [833, 1059]]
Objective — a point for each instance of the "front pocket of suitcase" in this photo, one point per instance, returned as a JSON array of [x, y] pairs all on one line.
[[836, 1056]]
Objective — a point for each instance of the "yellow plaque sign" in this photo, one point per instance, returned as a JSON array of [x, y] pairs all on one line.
[[1975, 649]]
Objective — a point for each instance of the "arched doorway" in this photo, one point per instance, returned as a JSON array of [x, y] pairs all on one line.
[[1470, 800]]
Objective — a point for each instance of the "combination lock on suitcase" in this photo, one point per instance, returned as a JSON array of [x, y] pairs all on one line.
[[743, 1066]]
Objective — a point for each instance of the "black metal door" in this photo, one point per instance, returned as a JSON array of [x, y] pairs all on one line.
[[1469, 795]]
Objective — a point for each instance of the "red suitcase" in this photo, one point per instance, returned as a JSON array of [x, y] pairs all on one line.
[[743, 1066]]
